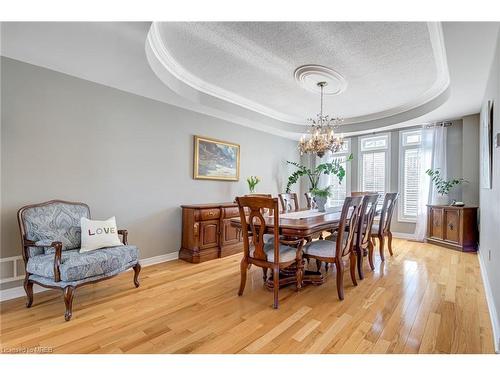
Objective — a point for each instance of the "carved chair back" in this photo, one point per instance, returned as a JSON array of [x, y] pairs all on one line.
[[366, 217], [254, 225], [265, 210], [54, 220], [347, 226], [289, 201], [387, 211], [311, 203]]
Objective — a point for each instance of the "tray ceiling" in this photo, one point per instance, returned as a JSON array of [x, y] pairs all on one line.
[[376, 69]]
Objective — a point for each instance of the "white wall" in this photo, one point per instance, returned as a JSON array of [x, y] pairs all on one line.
[[125, 155]]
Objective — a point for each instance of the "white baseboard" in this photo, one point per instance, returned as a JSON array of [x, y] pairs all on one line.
[[491, 305], [404, 236], [17, 292]]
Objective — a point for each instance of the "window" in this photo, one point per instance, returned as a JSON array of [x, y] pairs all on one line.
[[339, 191], [374, 163], [409, 173]]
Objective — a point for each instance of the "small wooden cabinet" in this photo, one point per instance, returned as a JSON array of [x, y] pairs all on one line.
[[454, 227], [207, 232]]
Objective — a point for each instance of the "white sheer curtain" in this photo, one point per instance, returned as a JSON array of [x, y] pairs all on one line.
[[438, 160], [432, 155]]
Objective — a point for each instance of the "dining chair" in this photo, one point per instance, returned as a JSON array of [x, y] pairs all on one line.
[[289, 201], [311, 203], [335, 251], [362, 242], [277, 254], [383, 228]]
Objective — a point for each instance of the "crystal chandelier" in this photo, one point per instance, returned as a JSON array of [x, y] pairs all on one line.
[[322, 137]]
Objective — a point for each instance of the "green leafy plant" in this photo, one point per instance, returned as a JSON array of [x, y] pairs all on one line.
[[321, 193], [443, 187], [334, 168], [252, 183]]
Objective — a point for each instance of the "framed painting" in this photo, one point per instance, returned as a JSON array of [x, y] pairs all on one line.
[[486, 166], [216, 160]]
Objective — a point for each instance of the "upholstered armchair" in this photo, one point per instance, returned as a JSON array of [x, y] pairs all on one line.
[[50, 236]]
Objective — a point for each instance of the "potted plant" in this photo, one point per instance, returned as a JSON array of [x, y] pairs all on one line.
[[443, 187], [252, 183], [320, 197], [334, 168]]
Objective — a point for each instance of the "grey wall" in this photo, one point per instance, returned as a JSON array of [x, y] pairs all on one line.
[[470, 159], [124, 155], [490, 200]]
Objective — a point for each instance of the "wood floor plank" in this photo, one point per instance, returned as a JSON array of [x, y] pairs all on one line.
[[425, 299]]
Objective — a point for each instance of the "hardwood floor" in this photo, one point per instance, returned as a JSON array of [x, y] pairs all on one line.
[[424, 299]]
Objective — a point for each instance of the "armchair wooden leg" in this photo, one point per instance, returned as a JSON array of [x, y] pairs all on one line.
[[243, 268], [389, 242], [276, 286], [68, 301], [370, 254], [137, 270], [340, 278], [28, 287], [352, 268]]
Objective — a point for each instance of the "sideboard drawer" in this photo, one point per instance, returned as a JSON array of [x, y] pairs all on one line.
[[210, 214], [230, 212]]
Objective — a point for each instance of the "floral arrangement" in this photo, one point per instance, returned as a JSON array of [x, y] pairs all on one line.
[[252, 183]]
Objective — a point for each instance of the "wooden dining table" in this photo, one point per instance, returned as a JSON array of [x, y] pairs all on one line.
[[301, 224]]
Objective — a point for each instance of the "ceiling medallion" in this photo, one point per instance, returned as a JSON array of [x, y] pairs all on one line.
[[322, 137], [308, 77]]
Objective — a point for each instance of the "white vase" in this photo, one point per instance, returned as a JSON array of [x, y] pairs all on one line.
[[321, 203], [441, 200]]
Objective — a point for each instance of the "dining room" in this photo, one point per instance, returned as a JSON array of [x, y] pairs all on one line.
[[250, 187]]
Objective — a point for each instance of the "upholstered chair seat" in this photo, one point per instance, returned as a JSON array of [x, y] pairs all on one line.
[[76, 266], [287, 253], [321, 248]]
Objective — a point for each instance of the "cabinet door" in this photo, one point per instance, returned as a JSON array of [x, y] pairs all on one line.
[[452, 226], [209, 234], [436, 223], [230, 234]]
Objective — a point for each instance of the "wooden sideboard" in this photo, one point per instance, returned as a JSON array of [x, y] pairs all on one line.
[[453, 227], [207, 232]]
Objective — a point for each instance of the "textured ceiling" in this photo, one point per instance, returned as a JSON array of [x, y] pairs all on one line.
[[386, 65]]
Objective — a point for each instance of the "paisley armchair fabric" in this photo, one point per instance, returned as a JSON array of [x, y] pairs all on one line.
[[54, 222]]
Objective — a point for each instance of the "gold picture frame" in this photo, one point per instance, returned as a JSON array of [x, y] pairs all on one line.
[[205, 167]]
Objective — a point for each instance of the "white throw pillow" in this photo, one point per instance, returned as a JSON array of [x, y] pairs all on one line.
[[97, 234]]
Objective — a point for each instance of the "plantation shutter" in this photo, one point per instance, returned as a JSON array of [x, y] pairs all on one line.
[[338, 191], [411, 173], [373, 171]]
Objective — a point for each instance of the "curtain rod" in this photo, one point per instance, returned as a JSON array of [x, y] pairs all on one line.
[[431, 125], [444, 124]]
